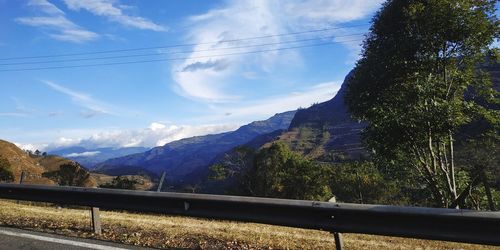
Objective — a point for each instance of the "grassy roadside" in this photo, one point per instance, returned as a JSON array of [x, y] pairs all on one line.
[[181, 232]]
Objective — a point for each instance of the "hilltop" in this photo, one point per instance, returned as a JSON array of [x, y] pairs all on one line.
[[21, 161]]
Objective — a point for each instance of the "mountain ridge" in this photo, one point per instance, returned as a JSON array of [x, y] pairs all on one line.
[[182, 157]]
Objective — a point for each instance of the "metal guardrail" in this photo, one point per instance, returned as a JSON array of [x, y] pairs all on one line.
[[411, 222]]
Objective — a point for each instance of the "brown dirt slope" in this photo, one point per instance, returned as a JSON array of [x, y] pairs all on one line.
[[33, 166], [21, 161]]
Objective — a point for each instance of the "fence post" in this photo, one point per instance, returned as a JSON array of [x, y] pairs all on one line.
[[161, 181], [338, 241], [96, 220]]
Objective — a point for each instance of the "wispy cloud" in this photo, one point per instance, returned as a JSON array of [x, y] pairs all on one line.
[[83, 154], [215, 65], [23, 108], [260, 109], [92, 107], [114, 12], [45, 7], [55, 23], [210, 82]]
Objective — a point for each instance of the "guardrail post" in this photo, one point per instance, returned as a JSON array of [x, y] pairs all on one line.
[[23, 176], [161, 181], [96, 220], [21, 180], [338, 241]]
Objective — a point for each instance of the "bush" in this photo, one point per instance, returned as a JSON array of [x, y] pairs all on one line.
[[121, 182], [6, 174]]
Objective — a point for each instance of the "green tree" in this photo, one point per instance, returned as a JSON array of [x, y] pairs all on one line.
[[69, 174], [481, 157], [418, 62], [279, 172], [231, 172], [5, 170], [362, 182]]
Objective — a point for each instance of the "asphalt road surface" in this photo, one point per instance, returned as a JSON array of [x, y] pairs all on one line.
[[11, 238]]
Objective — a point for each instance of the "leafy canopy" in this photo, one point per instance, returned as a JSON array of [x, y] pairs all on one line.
[[419, 61]]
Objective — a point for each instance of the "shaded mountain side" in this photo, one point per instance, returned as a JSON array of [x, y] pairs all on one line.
[[325, 130], [90, 157], [331, 112], [126, 170], [182, 157], [36, 167], [200, 176]]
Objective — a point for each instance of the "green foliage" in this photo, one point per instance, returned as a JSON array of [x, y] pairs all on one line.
[[69, 174], [279, 172], [362, 182], [231, 173], [410, 84], [121, 182], [218, 171], [233, 165], [5, 170]]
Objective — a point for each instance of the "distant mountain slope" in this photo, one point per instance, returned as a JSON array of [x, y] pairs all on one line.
[[90, 157], [325, 129], [182, 157], [33, 166]]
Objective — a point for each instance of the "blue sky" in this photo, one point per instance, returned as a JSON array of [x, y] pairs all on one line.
[[204, 90]]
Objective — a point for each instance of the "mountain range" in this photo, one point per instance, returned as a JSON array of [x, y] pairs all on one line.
[[323, 132], [183, 157], [90, 157]]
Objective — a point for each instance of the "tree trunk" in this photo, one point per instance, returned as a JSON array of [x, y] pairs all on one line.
[[452, 166], [487, 190], [461, 198]]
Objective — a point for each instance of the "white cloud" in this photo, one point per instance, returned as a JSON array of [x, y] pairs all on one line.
[[56, 23], [114, 12], [92, 106], [155, 126], [45, 7], [209, 82], [321, 11], [28, 146], [157, 134], [83, 154]]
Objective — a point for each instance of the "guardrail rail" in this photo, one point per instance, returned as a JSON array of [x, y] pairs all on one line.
[[456, 225]]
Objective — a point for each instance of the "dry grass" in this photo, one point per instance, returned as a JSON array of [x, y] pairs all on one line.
[[182, 232]]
